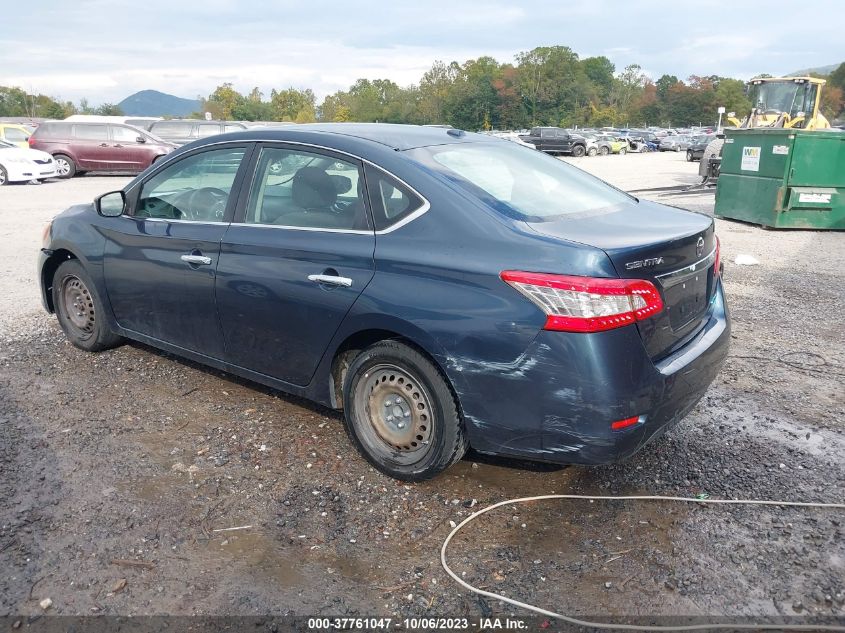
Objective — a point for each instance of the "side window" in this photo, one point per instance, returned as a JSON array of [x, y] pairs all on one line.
[[302, 189], [195, 188], [392, 201], [173, 130], [14, 135], [120, 134], [91, 132], [208, 129]]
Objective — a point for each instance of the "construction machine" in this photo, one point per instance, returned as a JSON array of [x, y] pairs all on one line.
[[777, 102]]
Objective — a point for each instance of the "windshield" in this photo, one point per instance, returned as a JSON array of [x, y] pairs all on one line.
[[788, 96], [522, 183]]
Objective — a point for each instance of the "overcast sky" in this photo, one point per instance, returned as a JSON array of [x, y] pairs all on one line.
[[107, 49]]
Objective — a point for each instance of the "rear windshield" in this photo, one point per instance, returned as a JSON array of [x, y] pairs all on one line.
[[520, 182]]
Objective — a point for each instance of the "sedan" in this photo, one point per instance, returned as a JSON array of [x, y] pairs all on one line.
[[24, 165], [445, 290]]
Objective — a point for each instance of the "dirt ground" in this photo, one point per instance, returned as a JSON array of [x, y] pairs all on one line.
[[121, 472]]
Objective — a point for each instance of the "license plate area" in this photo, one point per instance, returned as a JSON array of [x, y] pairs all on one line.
[[687, 299]]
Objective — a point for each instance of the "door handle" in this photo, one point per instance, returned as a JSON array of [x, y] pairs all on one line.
[[196, 260], [331, 280]]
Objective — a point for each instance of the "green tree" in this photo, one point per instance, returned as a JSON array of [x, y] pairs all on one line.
[[288, 104], [730, 93], [109, 109]]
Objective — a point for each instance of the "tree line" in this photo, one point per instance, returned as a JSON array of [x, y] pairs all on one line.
[[549, 85]]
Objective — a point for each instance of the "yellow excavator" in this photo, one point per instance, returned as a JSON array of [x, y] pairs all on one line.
[[789, 102], [776, 102]]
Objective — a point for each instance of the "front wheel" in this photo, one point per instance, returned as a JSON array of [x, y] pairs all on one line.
[[65, 167], [400, 412], [604, 151], [80, 310], [592, 151], [578, 151], [4, 176], [623, 151]]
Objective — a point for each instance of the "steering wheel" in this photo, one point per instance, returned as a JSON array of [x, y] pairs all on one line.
[[339, 206], [206, 203]]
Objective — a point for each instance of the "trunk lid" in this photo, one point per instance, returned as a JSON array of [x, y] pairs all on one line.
[[671, 248]]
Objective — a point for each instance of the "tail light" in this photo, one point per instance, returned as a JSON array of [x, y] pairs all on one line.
[[587, 304], [30, 141], [718, 261]]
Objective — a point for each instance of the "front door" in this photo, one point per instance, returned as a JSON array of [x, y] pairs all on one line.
[[296, 258], [127, 154], [160, 259]]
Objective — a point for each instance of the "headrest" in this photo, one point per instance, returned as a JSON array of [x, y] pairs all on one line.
[[313, 188]]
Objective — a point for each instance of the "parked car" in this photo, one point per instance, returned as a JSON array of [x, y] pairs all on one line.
[[555, 140], [675, 143], [182, 131], [697, 145], [443, 289], [23, 165], [609, 144], [590, 143], [80, 147], [15, 134]]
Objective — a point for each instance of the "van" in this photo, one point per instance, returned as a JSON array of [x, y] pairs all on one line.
[[114, 147], [182, 131]]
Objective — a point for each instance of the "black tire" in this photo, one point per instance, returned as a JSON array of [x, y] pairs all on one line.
[[623, 151], [578, 151], [689, 156], [401, 414], [4, 176], [79, 309], [65, 167], [592, 151], [604, 150]]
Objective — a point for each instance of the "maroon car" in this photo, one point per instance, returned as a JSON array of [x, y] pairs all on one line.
[[115, 147]]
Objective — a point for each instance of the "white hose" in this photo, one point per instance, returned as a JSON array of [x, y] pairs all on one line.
[[633, 627]]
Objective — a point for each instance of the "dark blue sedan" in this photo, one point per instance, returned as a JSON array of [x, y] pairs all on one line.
[[443, 289]]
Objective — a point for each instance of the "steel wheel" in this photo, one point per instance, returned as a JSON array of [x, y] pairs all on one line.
[[397, 412], [65, 167], [79, 306]]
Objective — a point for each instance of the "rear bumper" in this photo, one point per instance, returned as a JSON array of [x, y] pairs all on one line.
[[557, 402]]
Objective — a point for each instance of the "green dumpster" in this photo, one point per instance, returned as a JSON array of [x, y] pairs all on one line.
[[781, 178]]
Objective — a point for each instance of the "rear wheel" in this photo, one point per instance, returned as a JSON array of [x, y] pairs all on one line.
[[80, 310], [400, 412], [4, 176], [604, 151], [689, 156], [623, 151], [592, 151], [578, 151], [65, 167]]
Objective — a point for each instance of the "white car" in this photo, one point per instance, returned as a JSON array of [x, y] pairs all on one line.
[[22, 165]]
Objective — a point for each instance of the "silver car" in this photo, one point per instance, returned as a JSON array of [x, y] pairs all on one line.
[[676, 143]]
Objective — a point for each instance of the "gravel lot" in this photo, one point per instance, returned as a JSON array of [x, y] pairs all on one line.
[[121, 466]]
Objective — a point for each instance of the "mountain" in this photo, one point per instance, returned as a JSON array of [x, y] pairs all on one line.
[[821, 70], [155, 103]]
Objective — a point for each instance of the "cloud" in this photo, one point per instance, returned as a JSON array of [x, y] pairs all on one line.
[[106, 49]]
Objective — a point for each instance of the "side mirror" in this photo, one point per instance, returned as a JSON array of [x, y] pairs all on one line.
[[140, 139], [111, 205]]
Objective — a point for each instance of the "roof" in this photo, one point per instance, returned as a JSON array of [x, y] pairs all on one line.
[[393, 135]]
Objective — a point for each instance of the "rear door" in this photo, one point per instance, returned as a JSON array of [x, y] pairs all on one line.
[[292, 264], [160, 259]]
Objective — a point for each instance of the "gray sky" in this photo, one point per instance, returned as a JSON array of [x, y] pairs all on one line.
[[108, 49]]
